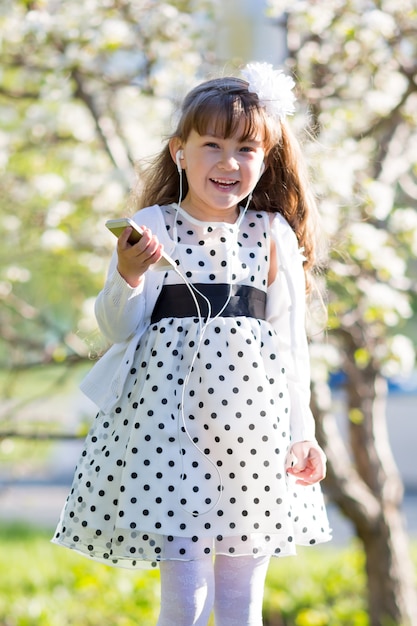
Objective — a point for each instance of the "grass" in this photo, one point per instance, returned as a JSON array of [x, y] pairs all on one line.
[[322, 586], [44, 585]]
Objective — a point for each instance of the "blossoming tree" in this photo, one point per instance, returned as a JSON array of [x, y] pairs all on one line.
[[86, 89], [356, 69]]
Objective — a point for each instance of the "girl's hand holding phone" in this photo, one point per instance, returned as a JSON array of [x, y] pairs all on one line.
[[135, 259]]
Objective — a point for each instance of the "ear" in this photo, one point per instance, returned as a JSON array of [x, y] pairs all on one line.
[[175, 149]]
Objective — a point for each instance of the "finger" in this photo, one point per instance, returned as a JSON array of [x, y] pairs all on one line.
[[298, 465], [124, 237], [310, 470], [152, 250], [154, 257], [311, 475], [290, 461]]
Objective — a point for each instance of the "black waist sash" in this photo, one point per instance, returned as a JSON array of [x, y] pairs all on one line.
[[177, 301]]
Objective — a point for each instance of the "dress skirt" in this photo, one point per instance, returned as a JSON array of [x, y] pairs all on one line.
[[191, 462]]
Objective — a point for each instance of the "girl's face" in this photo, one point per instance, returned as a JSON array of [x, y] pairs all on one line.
[[221, 172]]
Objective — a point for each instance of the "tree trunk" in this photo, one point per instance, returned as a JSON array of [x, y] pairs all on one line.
[[369, 492], [391, 593]]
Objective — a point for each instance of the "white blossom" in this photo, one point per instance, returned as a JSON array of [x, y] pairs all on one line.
[[57, 212], [17, 274], [381, 197], [398, 356], [49, 185], [55, 239], [404, 220], [384, 303]]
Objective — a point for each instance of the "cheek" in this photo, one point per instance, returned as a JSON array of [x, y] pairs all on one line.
[[255, 174], [198, 165], [256, 168]]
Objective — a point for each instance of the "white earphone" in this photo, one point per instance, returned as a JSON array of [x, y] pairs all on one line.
[[261, 171], [178, 156]]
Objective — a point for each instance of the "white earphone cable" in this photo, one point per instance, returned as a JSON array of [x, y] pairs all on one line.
[[202, 327]]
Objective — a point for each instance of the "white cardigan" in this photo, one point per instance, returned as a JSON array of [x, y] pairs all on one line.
[[123, 314]]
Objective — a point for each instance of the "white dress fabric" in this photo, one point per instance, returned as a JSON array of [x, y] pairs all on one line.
[[196, 446]]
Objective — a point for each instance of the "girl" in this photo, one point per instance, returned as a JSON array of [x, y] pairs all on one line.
[[203, 458]]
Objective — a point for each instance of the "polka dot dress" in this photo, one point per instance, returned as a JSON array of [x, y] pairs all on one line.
[[192, 460]]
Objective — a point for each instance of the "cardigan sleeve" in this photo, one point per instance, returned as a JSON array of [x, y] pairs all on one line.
[[119, 308], [286, 306]]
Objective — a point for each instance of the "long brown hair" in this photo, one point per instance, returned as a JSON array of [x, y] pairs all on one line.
[[219, 106]]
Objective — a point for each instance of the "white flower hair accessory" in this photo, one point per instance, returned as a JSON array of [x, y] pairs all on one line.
[[273, 88]]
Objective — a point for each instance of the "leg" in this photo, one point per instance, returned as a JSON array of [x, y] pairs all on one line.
[[239, 583], [187, 592]]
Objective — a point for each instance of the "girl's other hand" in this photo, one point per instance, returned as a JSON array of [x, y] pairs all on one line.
[[307, 462], [134, 260]]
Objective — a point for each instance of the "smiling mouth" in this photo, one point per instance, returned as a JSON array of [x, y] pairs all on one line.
[[224, 184]]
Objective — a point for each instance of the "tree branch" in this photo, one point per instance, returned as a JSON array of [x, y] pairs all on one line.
[[105, 128], [19, 95]]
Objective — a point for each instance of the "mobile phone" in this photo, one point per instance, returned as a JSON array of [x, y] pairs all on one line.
[[117, 226]]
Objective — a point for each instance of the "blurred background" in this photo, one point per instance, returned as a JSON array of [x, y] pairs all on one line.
[[88, 90]]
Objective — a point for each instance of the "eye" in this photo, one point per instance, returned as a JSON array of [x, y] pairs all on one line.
[[247, 149], [211, 144]]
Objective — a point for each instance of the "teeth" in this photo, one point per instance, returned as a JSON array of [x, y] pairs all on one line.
[[224, 182]]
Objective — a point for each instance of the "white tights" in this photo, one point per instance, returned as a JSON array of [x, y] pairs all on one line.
[[234, 586]]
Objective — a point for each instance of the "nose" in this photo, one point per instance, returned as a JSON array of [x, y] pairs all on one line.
[[228, 162]]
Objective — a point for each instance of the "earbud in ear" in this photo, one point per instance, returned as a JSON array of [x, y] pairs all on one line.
[[179, 155], [261, 171]]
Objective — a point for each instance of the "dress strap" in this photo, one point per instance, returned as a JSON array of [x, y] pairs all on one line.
[[177, 301]]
